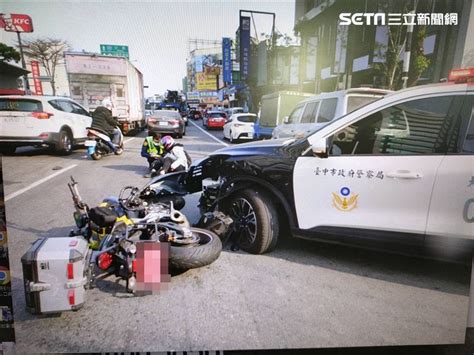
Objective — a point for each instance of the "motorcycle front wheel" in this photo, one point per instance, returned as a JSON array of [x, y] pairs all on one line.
[[192, 256]]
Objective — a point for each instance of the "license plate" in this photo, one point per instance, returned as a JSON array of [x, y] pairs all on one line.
[[90, 143], [162, 123]]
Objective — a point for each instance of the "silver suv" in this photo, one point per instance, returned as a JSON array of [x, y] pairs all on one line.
[[317, 111]]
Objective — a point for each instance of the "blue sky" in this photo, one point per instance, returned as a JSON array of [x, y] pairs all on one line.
[[156, 32]]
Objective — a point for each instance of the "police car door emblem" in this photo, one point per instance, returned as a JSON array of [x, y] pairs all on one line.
[[346, 202]]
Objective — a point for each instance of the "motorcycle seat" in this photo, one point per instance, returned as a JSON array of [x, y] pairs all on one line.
[[99, 130]]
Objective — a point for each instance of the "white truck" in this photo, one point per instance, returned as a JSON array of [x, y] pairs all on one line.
[[93, 77], [275, 107]]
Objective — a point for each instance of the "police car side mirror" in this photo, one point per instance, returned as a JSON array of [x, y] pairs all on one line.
[[320, 148], [286, 120]]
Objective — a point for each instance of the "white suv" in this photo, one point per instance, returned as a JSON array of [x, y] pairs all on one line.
[[240, 126], [58, 122], [316, 111]]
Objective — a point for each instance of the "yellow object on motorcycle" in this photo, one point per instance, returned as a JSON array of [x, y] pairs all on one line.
[[99, 233]]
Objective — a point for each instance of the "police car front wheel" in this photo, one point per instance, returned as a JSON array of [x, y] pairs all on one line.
[[255, 227]]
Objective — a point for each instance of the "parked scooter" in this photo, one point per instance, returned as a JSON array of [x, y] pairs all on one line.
[[100, 144], [116, 227]]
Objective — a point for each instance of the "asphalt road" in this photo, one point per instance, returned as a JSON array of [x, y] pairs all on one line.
[[304, 294]]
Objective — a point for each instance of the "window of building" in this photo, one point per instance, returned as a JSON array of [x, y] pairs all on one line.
[[429, 44], [311, 50], [381, 43], [341, 49], [76, 90], [119, 91]]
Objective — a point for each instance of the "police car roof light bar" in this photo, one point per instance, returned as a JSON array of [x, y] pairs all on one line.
[[461, 75]]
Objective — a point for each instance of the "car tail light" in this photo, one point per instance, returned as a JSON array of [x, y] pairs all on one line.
[[71, 295], [104, 261], [70, 271], [134, 265], [173, 122], [461, 75], [41, 115], [151, 120]]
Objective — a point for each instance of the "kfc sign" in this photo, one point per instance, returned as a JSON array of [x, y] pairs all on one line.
[[16, 23]]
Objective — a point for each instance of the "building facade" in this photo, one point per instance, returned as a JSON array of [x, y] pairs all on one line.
[[336, 56]]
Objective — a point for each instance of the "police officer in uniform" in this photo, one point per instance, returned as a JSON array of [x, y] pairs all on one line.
[[153, 150]]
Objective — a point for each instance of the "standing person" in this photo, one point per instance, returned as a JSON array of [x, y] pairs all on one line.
[[175, 158], [153, 150]]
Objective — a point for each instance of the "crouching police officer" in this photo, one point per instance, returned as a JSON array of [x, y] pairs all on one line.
[[153, 150]]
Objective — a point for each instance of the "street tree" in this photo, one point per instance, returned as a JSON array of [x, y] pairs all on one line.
[[390, 68], [8, 53], [49, 52]]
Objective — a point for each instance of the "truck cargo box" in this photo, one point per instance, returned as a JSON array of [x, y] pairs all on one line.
[[94, 77], [275, 107]]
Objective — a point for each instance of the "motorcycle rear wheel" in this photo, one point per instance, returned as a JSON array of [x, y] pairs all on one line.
[[96, 156], [119, 150], [193, 256]]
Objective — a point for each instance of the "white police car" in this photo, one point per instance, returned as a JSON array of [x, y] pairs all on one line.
[[397, 171]]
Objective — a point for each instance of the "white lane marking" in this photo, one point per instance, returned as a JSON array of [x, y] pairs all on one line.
[[128, 140], [210, 135], [39, 182]]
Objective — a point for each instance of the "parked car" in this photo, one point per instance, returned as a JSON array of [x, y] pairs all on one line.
[[214, 119], [195, 114], [396, 174], [315, 112], [57, 122], [166, 122], [240, 126]]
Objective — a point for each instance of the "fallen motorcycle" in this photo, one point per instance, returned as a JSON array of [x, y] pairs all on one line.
[[115, 228]]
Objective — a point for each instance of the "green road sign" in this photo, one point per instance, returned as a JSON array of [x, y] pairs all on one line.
[[113, 49]]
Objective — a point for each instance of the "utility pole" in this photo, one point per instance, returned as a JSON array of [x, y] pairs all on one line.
[[26, 84]]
